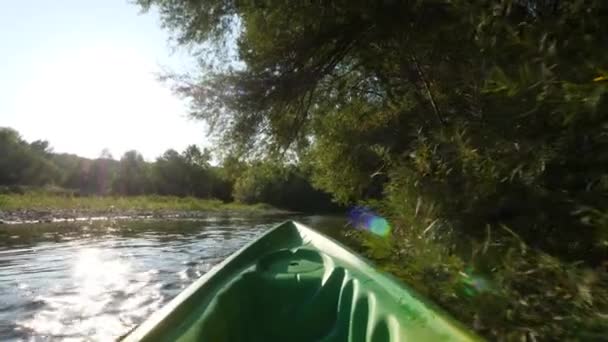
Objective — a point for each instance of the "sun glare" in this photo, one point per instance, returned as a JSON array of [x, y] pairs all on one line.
[[104, 96], [100, 279]]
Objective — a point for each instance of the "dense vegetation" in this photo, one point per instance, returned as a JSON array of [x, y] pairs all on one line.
[[27, 167], [480, 129], [44, 201]]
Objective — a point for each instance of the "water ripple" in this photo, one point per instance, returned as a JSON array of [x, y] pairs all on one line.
[[97, 280], [88, 284]]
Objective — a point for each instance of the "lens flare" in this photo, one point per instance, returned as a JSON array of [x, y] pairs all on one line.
[[474, 284], [363, 218]]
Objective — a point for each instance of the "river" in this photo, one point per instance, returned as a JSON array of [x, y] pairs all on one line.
[[97, 280]]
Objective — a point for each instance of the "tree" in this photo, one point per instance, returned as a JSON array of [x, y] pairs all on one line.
[[22, 163], [170, 174], [194, 156], [41, 147], [257, 183], [105, 154], [489, 113], [281, 185], [132, 175], [482, 118]]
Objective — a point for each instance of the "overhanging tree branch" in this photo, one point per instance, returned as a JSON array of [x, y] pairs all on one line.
[[428, 90]]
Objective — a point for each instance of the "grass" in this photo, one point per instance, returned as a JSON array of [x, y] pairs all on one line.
[[501, 287], [42, 201]]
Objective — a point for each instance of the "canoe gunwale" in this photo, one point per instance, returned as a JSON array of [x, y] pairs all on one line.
[[405, 297]]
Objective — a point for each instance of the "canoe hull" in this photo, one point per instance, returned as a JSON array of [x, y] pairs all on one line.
[[294, 284]]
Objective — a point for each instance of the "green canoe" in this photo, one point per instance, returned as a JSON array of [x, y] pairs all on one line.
[[294, 284]]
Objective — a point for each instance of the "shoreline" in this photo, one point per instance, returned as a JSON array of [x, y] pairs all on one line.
[[39, 207], [36, 216]]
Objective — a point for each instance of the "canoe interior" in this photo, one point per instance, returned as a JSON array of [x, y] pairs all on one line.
[[294, 284]]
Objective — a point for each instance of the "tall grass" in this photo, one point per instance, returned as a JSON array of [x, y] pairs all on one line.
[[47, 201], [500, 287]]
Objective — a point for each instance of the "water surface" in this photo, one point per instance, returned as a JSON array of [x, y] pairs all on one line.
[[97, 280]]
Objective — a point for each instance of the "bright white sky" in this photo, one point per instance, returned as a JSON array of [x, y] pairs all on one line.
[[81, 74]]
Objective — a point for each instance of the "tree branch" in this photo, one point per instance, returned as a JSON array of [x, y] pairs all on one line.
[[427, 88]]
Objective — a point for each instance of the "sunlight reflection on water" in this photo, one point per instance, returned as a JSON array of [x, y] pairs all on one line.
[[64, 281], [100, 285]]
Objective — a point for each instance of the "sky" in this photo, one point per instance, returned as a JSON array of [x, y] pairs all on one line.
[[82, 75]]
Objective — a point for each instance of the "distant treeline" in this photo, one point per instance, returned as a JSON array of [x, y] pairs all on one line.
[[188, 173]]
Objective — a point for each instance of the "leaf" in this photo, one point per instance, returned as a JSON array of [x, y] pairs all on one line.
[[601, 78]]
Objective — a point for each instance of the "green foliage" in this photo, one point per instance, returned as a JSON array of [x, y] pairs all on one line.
[[504, 122], [131, 176], [26, 168], [44, 200], [501, 287], [286, 186], [189, 174], [457, 118], [256, 182], [23, 163]]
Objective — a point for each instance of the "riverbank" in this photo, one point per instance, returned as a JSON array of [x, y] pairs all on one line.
[[501, 287], [40, 207]]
